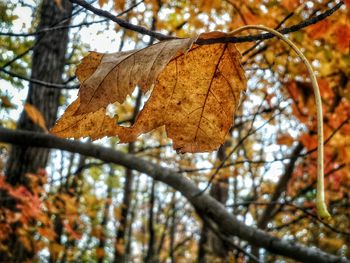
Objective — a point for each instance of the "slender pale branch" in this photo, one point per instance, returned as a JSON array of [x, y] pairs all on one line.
[[320, 197]]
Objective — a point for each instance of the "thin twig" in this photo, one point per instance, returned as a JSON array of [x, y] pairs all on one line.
[[265, 161], [264, 36], [231, 39], [121, 22], [227, 239], [221, 165], [41, 36], [39, 82], [49, 29], [304, 210]]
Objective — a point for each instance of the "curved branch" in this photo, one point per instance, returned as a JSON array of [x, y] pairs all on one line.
[[204, 204], [320, 196]]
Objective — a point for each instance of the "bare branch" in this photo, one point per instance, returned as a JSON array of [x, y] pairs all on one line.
[[39, 82], [160, 36], [280, 188], [204, 204]]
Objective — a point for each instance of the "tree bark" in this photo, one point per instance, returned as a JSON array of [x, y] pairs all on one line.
[[104, 222], [47, 65], [209, 241], [151, 256], [119, 254]]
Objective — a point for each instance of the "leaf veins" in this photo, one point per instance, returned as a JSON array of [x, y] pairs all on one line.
[[195, 95]]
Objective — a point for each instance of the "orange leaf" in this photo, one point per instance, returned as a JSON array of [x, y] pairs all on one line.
[[6, 103], [342, 35], [285, 139], [196, 106], [120, 247], [195, 95], [310, 142], [119, 5], [325, 90], [293, 90], [319, 29], [347, 4], [102, 2], [118, 213], [71, 232], [59, 4], [290, 4], [94, 124], [47, 232], [100, 252], [35, 115]]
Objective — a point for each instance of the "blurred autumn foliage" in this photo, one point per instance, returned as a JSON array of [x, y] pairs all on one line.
[[75, 208]]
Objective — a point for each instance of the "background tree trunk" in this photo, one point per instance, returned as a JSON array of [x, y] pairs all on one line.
[[47, 65], [209, 242]]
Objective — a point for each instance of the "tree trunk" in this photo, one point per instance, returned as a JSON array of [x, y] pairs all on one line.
[[104, 222], [48, 66], [151, 256], [209, 242], [120, 248]]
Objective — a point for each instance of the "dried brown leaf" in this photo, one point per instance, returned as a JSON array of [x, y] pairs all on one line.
[[35, 115], [119, 5], [195, 94], [102, 2], [94, 124], [59, 4], [118, 73], [195, 98]]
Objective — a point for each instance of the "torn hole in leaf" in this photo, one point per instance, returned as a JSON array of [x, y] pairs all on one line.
[[111, 110]]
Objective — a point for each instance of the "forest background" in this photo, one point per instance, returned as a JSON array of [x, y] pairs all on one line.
[[81, 201]]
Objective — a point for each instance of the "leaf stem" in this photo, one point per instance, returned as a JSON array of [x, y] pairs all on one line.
[[320, 196]]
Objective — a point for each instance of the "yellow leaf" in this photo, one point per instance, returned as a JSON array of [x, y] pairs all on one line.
[[270, 56], [333, 244], [55, 250], [35, 115], [118, 213]]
